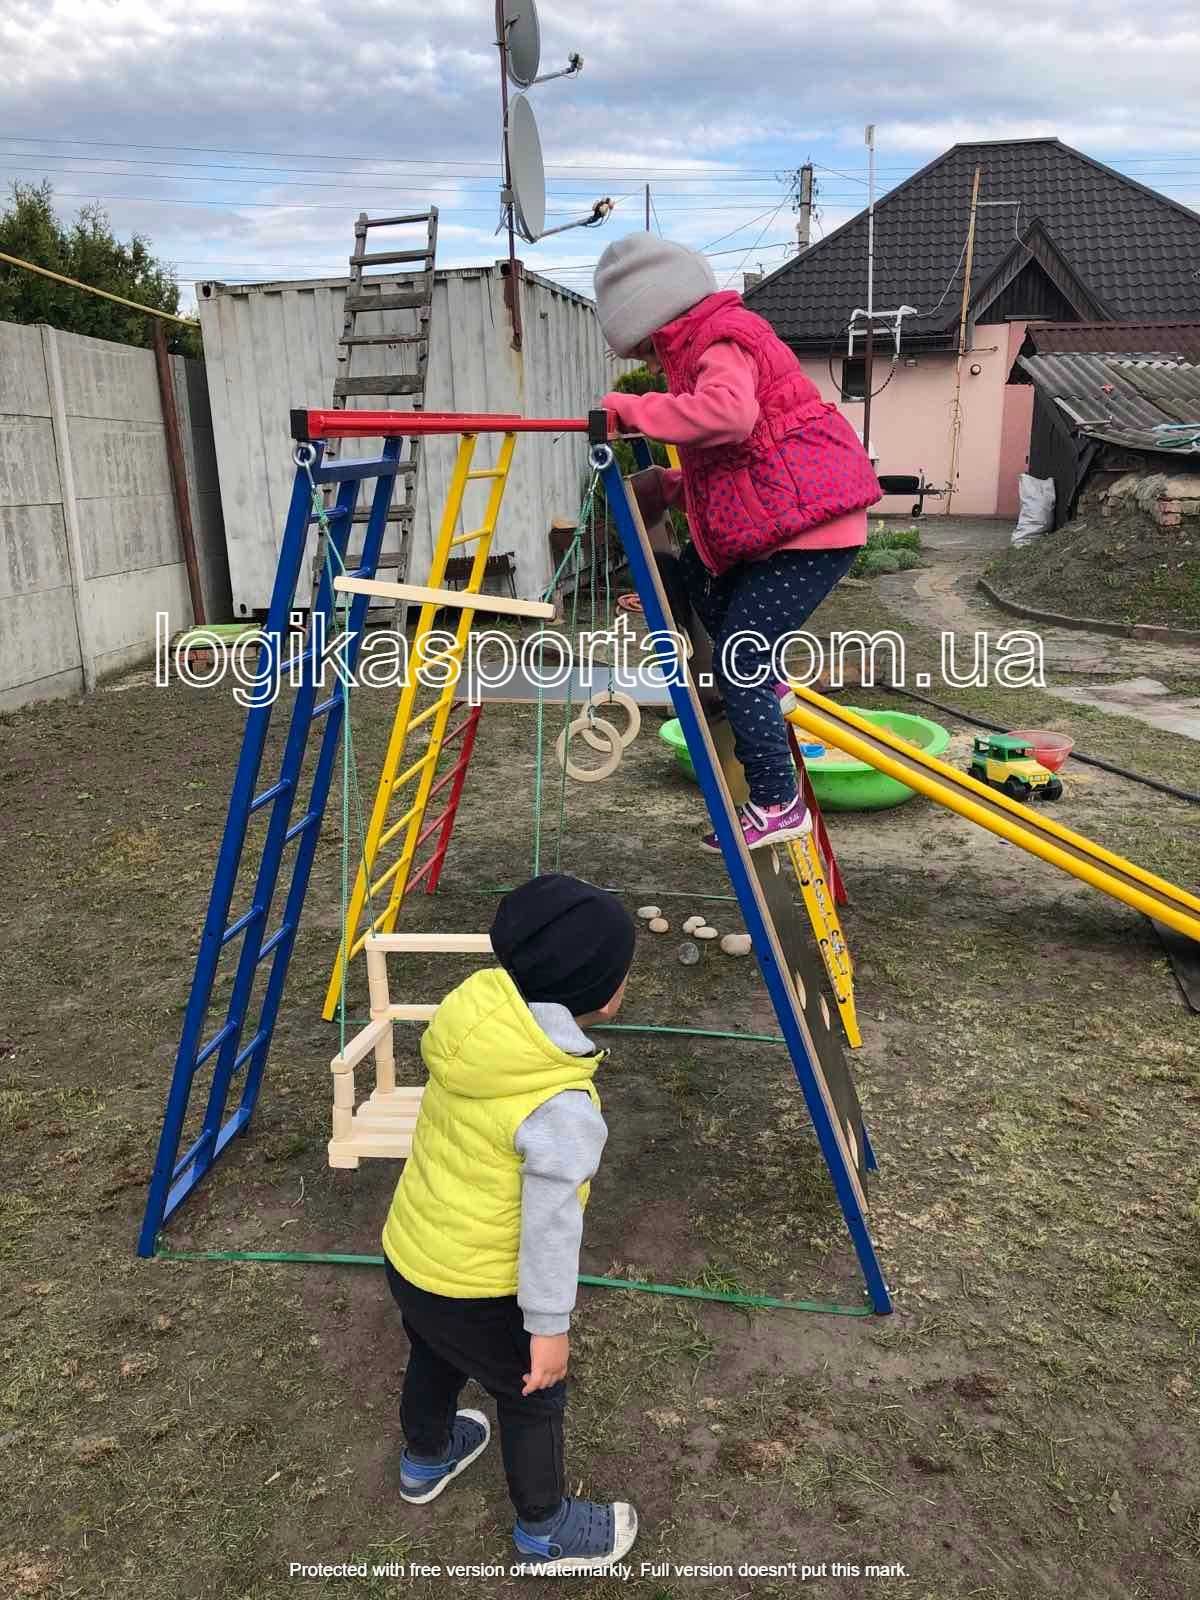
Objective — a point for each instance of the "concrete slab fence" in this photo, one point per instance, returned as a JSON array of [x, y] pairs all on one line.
[[90, 546]]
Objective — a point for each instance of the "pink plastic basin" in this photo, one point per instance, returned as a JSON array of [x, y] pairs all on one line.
[[1051, 749]]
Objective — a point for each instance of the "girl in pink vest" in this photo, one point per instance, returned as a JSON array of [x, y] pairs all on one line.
[[775, 483]]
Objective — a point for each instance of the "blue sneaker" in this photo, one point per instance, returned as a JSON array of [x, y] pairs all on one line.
[[582, 1536], [421, 1481]]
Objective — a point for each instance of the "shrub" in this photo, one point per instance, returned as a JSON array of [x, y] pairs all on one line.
[[899, 545], [873, 562]]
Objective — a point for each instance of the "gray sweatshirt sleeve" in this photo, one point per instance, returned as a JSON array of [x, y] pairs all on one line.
[[560, 1143]]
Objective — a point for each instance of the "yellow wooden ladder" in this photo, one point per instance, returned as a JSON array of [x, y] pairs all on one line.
[[813, 878], [408, 788]]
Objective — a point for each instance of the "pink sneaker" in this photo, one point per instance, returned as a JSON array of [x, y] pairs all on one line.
[[764, 825]]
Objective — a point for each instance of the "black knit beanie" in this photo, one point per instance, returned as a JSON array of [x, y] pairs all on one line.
[[564, 940]]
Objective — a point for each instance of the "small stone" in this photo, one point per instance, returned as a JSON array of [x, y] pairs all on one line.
[[736, 944], [692, 924], [659, 925], [92, 1448], [138, 1365], [704, 933], [648, 913]]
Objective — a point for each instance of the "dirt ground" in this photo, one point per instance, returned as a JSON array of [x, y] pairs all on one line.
[[1024, 1425]]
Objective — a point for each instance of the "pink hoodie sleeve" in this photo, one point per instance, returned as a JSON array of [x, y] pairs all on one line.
[[722, 410]]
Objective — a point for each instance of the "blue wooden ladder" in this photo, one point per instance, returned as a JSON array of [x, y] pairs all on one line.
[[237, 1049]]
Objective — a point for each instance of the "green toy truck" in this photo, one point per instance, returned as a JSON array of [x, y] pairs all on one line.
[[1007, 763]]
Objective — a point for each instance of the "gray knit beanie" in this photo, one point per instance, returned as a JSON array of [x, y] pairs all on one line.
[[642, 283]]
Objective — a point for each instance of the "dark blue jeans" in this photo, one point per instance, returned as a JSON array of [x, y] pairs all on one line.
[[746, 612]]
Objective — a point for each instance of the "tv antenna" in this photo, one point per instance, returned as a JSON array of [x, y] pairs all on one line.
[[523, 195]]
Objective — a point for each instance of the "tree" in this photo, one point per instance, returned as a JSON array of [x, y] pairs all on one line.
[[642, 381], [88, 250]]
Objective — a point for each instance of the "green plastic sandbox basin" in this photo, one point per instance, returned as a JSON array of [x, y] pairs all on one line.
[[842, 783]]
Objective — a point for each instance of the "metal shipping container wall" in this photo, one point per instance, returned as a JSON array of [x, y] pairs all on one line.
[[270, 347]]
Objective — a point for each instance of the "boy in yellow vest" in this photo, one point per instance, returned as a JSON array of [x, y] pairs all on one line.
[[482, 1239]]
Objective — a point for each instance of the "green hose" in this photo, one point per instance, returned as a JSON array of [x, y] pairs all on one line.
[[335, 1259]]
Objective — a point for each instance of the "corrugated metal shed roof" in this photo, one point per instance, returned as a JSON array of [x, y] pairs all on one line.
[[1145, 404], [1178, 339], [1173, 388], [1172, 440], [1134, 251]]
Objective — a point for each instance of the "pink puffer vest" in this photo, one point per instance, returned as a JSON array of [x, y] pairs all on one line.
[[801, 467]]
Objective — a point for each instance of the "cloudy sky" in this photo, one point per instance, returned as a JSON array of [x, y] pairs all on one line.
[[243, 136]]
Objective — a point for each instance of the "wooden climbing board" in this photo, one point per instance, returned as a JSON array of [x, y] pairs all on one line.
[[790, 959]]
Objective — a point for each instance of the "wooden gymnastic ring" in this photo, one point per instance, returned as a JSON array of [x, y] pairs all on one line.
[[613, 697], [590, 774]]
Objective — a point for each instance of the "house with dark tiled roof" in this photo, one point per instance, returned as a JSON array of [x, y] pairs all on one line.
[[1058, 238]]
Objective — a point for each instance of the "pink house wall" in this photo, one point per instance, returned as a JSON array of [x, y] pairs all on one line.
[[911, 422], [1016, 427]]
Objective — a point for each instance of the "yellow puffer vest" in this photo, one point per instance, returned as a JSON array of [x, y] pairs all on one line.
[[454, 1227]]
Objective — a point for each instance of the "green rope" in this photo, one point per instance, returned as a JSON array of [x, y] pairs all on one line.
[[586, 524], [610, 888], [631, 1027], [683, 1291], [568, 718], [626, 1027], [688, 1033], [349, 762], [538, 761], [572, 555]]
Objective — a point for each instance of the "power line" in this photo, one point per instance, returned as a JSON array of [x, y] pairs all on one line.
[[208, 169], [715, 169], [443, 183], [740, 228], [222, 203], [724, 172], [333, 266], [755, 245], [581, 266]]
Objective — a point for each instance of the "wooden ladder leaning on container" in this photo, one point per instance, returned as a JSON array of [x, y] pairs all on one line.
[[396, 310]]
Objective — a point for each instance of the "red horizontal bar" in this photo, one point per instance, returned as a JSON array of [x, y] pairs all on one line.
[[425, 869], [431, 827], [437, 789], [461, 728], [308, 425]]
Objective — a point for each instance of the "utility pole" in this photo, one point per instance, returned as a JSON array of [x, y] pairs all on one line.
[[956, 430], [647, 208], [869, 347], [805, 208]]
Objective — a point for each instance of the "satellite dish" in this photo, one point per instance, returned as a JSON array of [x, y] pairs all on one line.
[[527, 173], [519, 19]]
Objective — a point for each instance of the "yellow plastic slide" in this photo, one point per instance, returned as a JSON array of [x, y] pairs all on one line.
[[1021, 825]]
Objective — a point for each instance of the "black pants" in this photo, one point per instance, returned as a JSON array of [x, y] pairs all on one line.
[[453, 1340], [749, 612]]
